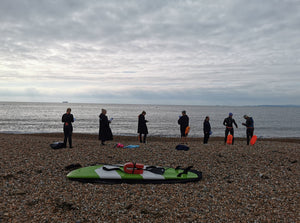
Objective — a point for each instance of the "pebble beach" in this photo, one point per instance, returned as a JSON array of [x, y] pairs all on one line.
[[241, 183]]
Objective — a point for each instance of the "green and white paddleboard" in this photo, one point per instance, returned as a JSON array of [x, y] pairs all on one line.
[[151, 174]]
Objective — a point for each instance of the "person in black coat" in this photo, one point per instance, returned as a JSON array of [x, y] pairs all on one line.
[[67, 119], [142, 127], [184, 123], [105, 133], [206, 129]]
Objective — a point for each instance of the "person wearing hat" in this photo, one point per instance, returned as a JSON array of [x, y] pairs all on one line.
[[183, 121], [228, 122], [142, 127], [250, 127]]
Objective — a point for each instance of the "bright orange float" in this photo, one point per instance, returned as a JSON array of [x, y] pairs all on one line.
[[229, 139], [134, 168], [253, 140], [187, 130]]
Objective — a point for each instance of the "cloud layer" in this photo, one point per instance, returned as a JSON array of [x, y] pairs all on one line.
[[166, 52]]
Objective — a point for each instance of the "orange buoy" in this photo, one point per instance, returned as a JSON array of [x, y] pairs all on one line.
[[187, 130], [134, 168], [229, 139], [253, 140]]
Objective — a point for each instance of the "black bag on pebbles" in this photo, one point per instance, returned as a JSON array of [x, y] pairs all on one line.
[[57, 145]]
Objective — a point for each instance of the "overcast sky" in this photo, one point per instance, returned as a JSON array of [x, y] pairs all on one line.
[[202, 52]]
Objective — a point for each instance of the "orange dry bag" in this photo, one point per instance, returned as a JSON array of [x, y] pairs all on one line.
[[134, 168], [187, 130], [229, 139], [253, 140]]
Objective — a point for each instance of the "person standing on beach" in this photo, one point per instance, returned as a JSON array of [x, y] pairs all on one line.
[[67, 119], [206, 129], [184, 123], [105, 133], [228, 122], [250, 127], [142, 127]]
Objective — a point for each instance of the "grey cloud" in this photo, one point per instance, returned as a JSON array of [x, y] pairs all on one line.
[[219, 49]]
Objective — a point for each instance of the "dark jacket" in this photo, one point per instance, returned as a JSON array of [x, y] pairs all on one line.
[[183, 122], [142, 127], [228, 122], [206, 126], [104, 129], [249, 123], [67, 119]]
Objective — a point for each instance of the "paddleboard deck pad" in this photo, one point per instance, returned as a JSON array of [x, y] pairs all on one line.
[[113, 174]]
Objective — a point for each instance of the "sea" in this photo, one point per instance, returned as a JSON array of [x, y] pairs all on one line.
[[28, 117]]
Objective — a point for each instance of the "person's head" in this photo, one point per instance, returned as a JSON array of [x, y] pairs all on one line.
[[103, 111], [68, 110], [183, 112], [230, 114], [207, 118], [246, 116], [143, 113]]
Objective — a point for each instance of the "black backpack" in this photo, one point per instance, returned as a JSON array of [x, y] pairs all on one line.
[[182, 147], [57, 145]]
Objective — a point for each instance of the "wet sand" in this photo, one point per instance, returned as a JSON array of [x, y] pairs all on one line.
[[240, 183]]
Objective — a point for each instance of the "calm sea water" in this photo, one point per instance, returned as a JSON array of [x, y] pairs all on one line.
[[46, 118]]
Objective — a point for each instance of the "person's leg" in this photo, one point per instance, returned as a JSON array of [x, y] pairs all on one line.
[[70, 139], [140, 138], [232, 133], [248, 136], [206, 136], [65, 139], [145, 136], [226, 134]]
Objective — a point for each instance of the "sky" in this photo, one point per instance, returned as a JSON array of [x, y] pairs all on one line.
[[183, 52]]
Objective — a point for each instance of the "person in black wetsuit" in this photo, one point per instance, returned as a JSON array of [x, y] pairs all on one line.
[[67, 119], [142, 127], [228, 122], [104, 129], [206, 129], [184, 123], [250, 127]]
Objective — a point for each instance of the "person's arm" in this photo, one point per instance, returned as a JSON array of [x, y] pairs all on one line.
[[235, 123], [63, 118], [180, 120], [224, 122]]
